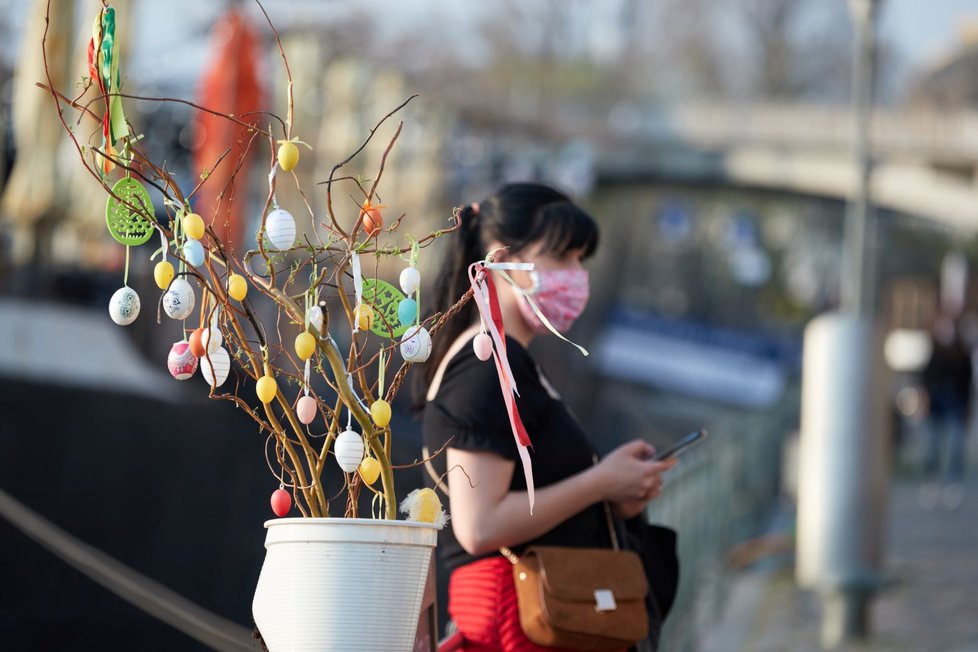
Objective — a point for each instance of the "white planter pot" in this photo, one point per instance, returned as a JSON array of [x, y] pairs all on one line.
[[342, 584]]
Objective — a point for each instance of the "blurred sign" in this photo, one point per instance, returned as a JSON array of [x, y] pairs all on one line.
[[695, 359]]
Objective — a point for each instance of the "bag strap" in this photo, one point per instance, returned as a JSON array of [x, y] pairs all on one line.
[[514, 559]]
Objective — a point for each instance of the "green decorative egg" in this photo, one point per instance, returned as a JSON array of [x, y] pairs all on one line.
[[127, 226], [384, 298]]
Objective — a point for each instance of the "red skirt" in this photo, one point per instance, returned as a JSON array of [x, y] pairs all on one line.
[[482, 602]]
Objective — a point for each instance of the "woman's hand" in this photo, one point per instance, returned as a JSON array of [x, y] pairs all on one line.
[[631, 478]]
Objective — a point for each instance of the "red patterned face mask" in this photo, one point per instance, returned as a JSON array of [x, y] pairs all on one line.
[[561, 296]]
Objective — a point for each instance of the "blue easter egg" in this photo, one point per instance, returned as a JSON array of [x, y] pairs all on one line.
[[407, 311], [193, 251]]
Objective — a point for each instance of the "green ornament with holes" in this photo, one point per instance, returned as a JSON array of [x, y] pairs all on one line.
[[127, 226]]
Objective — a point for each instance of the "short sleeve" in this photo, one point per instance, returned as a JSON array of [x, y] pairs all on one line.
[[469, 412]]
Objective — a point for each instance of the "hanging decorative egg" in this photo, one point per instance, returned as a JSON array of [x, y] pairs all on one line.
[[237, 287], [280, 229], [483, 346], [380, 412], [373, 221], [181, 362], [215, 366], [196, 346], [306, 409], [369, 470], [410, 280], [193, 252], [266, 388], [163, 274], [424, 506], [211, 338], [193, 226], [364, 316], [348, 449], [281, 502], [305, 345], [178, 301], [316, 318], [416, 344], [288, 156], [407, 311], [124, 306]]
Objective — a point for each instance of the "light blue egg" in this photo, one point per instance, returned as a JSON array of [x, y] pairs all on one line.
[[193, 251], [407, 311]]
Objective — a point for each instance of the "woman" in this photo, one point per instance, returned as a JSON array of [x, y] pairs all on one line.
[[465, 410]]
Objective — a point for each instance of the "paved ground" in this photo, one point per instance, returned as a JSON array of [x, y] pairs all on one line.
[[931, 604]]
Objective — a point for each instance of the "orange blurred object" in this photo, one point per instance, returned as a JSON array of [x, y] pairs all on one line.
[[229, 84]]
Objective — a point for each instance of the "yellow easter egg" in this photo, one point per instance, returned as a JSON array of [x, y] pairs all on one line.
[[163, 274], [288, 156], [427, 506], [266, 388], [237, 287], [364, 315], [380, 412], [305, 345], [193, 226], [369, 470]]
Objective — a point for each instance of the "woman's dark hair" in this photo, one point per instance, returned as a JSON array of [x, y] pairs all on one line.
[[517, 215]]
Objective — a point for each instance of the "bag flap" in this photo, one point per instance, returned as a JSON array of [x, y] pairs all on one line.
[[574, 574]]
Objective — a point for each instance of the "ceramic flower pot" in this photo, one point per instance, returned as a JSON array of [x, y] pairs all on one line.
[[342, 584]]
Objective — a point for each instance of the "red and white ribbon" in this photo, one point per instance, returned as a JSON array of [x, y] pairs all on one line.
[[484, 293]]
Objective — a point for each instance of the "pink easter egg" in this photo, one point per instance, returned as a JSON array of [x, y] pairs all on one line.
[[181, 362], [483, 346], [306, 409]]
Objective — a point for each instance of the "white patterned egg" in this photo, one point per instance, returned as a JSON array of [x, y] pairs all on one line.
[[348, 449], [416, 344], [124, 306], [178, 301], [211, 342], [280, 228], [215, 370]]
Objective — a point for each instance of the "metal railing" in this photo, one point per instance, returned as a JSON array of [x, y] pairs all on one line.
[[721, 494]]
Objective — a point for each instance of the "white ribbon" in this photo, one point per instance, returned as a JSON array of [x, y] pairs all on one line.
[[357, 286]]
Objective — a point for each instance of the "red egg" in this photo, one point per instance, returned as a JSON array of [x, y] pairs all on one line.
[[281, 502], [196, 345], [483, 346]]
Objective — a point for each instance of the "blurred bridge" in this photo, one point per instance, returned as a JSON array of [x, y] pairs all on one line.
[[926, 162]]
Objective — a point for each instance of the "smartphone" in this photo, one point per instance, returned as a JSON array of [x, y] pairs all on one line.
[[682, 445]]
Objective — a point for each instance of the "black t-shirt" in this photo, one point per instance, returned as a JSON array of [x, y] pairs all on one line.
[[469, 410]]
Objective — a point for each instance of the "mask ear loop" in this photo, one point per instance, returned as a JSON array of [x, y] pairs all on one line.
[[536, 309]]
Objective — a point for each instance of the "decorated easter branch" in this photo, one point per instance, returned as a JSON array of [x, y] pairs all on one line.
[[222, 293]]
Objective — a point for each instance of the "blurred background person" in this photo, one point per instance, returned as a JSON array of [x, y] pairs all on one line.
[[947, 381]]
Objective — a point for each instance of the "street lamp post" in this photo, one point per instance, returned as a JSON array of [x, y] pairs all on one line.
[[857, 295], [843, 478]]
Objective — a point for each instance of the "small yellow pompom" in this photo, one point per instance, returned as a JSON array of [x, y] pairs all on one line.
[[237, 287], [380, 412], [163, 274], [369, 470], [266, 388], [424, 506], [364, 315], [193, 226], [288, 156], [305, 345]]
